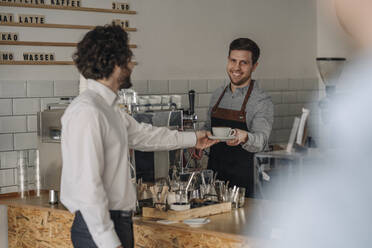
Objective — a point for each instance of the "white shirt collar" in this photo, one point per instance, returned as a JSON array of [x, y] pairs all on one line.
[[103, 91]]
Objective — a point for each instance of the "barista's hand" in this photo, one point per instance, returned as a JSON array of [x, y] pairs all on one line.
[[196, 153], [202, 140], [241, 136]]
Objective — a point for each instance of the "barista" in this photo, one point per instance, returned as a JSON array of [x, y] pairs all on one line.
[[245, 107]]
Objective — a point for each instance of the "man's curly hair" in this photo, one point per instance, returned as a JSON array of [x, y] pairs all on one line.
[[100, 50]]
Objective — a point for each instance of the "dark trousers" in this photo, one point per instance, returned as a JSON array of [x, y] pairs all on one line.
[[81, 238]]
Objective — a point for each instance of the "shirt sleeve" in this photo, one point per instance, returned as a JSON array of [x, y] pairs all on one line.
[[145, 137], [258, 136], [83, 169]]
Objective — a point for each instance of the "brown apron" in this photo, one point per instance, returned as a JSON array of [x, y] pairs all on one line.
[[232, 163]]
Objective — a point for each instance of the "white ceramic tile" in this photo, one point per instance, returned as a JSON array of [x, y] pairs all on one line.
[[214, 84], [310, 84], [178, 86], [307, 96], [276, 97], [8, 159], [66, 87], [282, 135], [10, 189], [295, 109], [6, 177], [278, 123], [287, 122], [12, 88], [25, 141], [32, 123], [39, 88], [5, 107], [295, 84], [6, 142], [281, 110], [45, 101], [289, 97], [23, 106], [12, 124], [200, 86], [140, 86], [158, 86], [281, 84], [267, 84], [204, 100]]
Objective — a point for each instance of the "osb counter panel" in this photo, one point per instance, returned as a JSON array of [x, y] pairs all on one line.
[[32, 222]]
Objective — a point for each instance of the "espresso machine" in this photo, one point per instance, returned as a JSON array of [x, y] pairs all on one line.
[[153, 166]]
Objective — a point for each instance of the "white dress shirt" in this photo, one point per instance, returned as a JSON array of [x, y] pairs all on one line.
[[96, 178]]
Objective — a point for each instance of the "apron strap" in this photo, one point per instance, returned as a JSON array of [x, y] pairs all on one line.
[[219, 100], [249, 92]]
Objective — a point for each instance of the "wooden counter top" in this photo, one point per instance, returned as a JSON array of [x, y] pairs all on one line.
[[32, 201], [250, 226]]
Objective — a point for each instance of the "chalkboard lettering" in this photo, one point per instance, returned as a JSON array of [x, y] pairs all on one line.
[[69, 3], [122, 23], [6, 56], [35, 19], [35, 2], [120, 6], [8, 36], [38, 56], [6, 17]]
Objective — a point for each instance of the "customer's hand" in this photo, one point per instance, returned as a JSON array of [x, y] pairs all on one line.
[[241, 136], [202, 140]]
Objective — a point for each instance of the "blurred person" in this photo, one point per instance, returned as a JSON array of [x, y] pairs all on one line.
[[96, 183], [331, 206], [245, 107]]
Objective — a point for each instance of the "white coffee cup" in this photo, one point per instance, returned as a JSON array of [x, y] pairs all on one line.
[[223, 131]]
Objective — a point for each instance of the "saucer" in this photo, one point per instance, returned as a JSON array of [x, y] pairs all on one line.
[[222, 138], [197, 222]]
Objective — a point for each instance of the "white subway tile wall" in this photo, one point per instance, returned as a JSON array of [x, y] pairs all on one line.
[[12, 124], [21, 100], [24, 141], [12, 88], [140, 86], [158, 86], [66, 88], [178, 86], [40, 88], [5, 107], [26, 106], [200, 86], [31, 123]]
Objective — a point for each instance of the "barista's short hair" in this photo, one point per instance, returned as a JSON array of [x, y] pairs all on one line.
[[101, 50], [247, 45]]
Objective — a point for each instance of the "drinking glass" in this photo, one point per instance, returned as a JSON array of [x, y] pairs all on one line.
[[22, 164]]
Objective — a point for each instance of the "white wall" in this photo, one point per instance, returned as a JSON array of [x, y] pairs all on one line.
[[186, 39]]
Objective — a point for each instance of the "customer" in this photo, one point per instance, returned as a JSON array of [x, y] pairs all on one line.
[[96, 135]]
